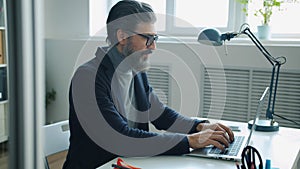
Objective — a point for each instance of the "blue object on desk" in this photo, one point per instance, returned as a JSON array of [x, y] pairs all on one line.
[[268, 164]]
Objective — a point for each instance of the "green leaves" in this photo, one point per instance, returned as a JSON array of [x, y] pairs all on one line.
[[266, 9], [243, 1], [50, 96]]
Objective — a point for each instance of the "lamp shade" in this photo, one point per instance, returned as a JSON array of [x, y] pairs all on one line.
[[210, 36]]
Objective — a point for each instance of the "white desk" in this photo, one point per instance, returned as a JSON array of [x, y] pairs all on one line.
[[281, 147]]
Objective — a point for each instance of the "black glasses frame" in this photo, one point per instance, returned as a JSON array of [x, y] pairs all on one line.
[[150, 38]]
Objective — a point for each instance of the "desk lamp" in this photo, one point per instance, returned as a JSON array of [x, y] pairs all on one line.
[[211, 36]]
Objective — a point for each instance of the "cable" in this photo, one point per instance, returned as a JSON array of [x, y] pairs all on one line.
[[287, 119], [225, 47]]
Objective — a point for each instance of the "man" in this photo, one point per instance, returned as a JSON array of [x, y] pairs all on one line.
[[116, 82]]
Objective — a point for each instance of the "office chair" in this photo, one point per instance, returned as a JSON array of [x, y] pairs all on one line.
[[56, 139]]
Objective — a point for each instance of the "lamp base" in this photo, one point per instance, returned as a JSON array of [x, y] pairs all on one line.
[[264, 125]]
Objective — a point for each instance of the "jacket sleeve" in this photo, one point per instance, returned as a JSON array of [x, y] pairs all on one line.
[[165, 118]]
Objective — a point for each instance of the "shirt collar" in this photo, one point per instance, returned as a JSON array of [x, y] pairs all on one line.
[[117, 60]]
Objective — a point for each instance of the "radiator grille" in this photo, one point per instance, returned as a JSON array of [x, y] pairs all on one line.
[[226, 94], [159, 79], [233, 93], [243, 88]]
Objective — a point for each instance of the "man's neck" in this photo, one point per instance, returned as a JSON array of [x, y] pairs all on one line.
[[120, 48]]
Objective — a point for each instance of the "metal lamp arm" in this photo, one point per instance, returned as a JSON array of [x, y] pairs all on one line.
[[275, 71], [262, 49]]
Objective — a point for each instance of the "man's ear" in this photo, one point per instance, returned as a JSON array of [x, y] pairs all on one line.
[[122, 36]]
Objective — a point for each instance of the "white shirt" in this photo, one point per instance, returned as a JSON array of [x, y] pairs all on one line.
[[122, 87]]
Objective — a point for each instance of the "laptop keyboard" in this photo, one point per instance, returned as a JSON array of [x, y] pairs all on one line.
[[233, 148]]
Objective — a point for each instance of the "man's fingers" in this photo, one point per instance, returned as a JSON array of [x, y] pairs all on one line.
[[229, 132], [223, 133], [221, 139], [217, 144]]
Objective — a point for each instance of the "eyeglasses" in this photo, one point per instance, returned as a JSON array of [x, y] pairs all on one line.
[[150, 38]]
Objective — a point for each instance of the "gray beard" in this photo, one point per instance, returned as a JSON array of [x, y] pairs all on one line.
[[135, 58]]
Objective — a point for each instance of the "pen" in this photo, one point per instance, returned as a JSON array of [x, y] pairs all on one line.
[[119, 167], [248, 158]]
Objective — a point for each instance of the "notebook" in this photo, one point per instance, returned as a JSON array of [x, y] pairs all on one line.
[[234, 151]]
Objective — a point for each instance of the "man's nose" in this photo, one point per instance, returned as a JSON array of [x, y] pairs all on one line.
[[152, 46]]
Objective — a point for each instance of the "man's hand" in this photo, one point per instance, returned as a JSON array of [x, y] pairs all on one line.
[[208, 137], [216, 127], [216, 134]]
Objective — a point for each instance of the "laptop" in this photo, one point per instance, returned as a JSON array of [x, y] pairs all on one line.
[[234, 151]]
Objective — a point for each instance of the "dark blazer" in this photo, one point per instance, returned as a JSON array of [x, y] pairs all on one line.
[[83, 152]]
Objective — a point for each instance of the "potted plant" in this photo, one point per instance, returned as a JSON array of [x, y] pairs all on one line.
[[264, 11], [50, 97]]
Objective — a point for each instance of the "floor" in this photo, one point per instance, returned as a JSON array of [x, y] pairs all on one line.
[[3, 155], [55, 161]]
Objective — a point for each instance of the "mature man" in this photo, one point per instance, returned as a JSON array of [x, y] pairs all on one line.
[[111, 101]]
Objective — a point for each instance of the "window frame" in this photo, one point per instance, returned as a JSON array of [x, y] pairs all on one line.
[[233, 24], [236, 15]]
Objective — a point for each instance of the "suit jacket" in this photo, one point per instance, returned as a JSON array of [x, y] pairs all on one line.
[[84, 153]]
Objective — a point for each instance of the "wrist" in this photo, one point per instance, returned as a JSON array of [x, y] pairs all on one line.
[[191, 140]]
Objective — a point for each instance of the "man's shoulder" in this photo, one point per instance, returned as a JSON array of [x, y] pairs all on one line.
[[100, 59]]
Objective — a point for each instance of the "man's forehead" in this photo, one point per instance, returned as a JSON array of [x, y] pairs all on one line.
[[145, 28]]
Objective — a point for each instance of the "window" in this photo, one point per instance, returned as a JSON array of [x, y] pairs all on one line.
[[282, 22], [187, 18], [97, 17], [209, 14], [159, 7], [190, 17], [176, 17]]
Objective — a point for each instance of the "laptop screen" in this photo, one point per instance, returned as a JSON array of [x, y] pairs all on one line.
[[259, 107]]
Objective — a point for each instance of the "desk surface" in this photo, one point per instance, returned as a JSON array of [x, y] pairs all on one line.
[[281, 147]]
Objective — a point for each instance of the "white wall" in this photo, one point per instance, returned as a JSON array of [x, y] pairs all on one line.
[[67, 22], [195, 56], [61, 56], [66, 18], [60, 59]]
